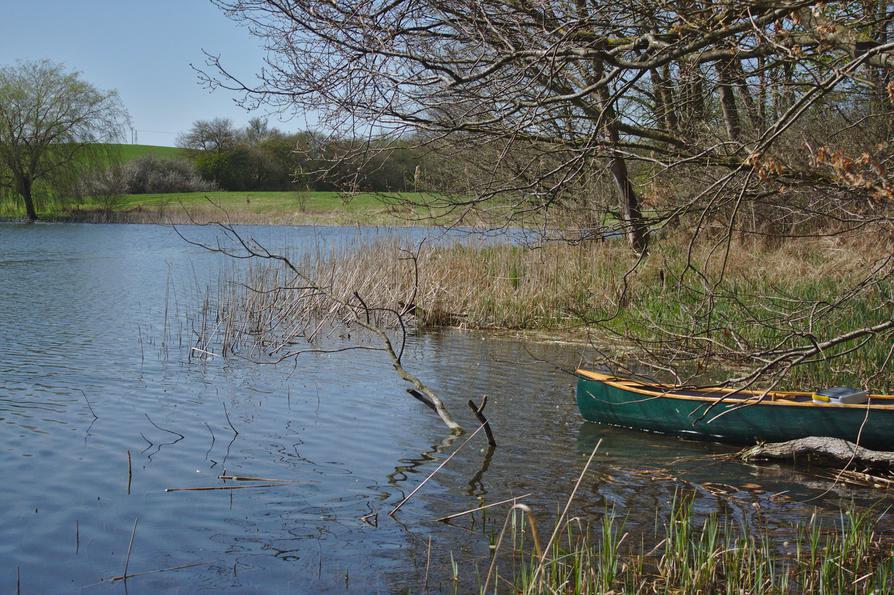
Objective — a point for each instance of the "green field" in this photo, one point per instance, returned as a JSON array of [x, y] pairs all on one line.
[[292, 208], [131, 152]]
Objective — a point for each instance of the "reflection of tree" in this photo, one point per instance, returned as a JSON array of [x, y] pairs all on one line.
[[400, 473], [476, 485]]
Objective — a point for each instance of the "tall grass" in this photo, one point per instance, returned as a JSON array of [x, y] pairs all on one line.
[[716, 555], [795, 294], [782, 296]]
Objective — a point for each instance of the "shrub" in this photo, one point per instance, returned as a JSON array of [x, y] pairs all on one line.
[[106, 186], [156, 175]]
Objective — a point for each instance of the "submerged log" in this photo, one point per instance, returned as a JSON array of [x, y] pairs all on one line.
[[820, 451]]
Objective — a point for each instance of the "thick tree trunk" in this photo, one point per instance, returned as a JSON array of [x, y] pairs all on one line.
[[634, 228], [728, 102], [631, 217], [670, 100], [25, 186]]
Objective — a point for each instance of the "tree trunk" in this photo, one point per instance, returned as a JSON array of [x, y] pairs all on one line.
[[25, 185], [634, 228], [631, 217], [728, 102], [747, 99], [670, 100]]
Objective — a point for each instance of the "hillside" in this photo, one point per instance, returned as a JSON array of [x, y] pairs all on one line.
[[131, 152]]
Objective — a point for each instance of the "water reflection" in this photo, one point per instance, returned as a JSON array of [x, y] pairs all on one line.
[[100, 309]]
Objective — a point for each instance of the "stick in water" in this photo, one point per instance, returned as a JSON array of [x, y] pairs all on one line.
[[248, 478], [478, 410], [444, 519], [130, 547], [210, 488]]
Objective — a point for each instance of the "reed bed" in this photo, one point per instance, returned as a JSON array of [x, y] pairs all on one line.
[[685, 555], [768, 296]]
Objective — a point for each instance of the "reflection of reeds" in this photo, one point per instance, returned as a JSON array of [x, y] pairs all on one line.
[[716, 555]]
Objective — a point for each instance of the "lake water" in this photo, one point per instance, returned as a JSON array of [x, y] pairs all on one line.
[[94, 316]]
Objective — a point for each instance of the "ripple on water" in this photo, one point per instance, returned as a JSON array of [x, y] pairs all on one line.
[[100, 309]]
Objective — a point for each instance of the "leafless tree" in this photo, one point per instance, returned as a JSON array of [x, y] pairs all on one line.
[[210, 135], [712, 120], [552, 90]]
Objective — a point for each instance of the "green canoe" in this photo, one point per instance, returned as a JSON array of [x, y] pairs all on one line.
[[741, 417]]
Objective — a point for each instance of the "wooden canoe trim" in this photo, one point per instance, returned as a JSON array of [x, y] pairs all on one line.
[[778, 398]]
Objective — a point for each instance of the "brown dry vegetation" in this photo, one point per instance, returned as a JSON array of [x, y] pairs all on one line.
[[600, 291]]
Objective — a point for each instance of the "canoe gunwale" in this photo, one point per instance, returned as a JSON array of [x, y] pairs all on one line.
[[742, 397]]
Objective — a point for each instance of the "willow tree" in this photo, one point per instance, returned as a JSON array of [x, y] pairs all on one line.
[[53, 124]]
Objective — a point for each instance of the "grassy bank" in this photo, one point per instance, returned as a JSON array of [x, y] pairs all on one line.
[[716, 555], [788, 295], [274, 208], [130, 152]]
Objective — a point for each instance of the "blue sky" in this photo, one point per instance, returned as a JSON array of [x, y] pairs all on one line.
[[141, 48]]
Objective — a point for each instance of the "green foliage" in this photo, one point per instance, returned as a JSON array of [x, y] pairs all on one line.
[[714, 555], [49, 153]]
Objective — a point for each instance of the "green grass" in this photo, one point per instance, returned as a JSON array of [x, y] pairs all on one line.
[[259, 202], [319, 208], [716, 555], [130, 152]]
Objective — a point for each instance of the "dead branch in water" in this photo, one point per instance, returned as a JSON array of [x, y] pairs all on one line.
[[296, 309], [214, 488], [478, 410]]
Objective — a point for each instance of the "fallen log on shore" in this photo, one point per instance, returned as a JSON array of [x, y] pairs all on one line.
[[821, 451]]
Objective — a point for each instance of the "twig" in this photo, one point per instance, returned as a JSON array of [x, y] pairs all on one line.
[[371, 519], [209, 488], [210, 448], [130, 547], [89, 406], [427, 564], [479, 413], [227, 413], [444, 519], [248, 478], [432, 474], [116, 579], [129, 472], [163, 429]]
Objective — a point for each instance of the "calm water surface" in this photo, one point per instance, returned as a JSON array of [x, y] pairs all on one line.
[[95, 316]]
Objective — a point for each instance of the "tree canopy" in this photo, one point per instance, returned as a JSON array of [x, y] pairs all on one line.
[[716, 123], [52, 124], [546, 100]]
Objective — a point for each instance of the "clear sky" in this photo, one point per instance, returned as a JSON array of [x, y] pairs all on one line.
[[142, 48]]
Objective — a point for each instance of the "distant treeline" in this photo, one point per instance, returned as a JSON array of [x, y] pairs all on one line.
[[216, 155], [259, 157]]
